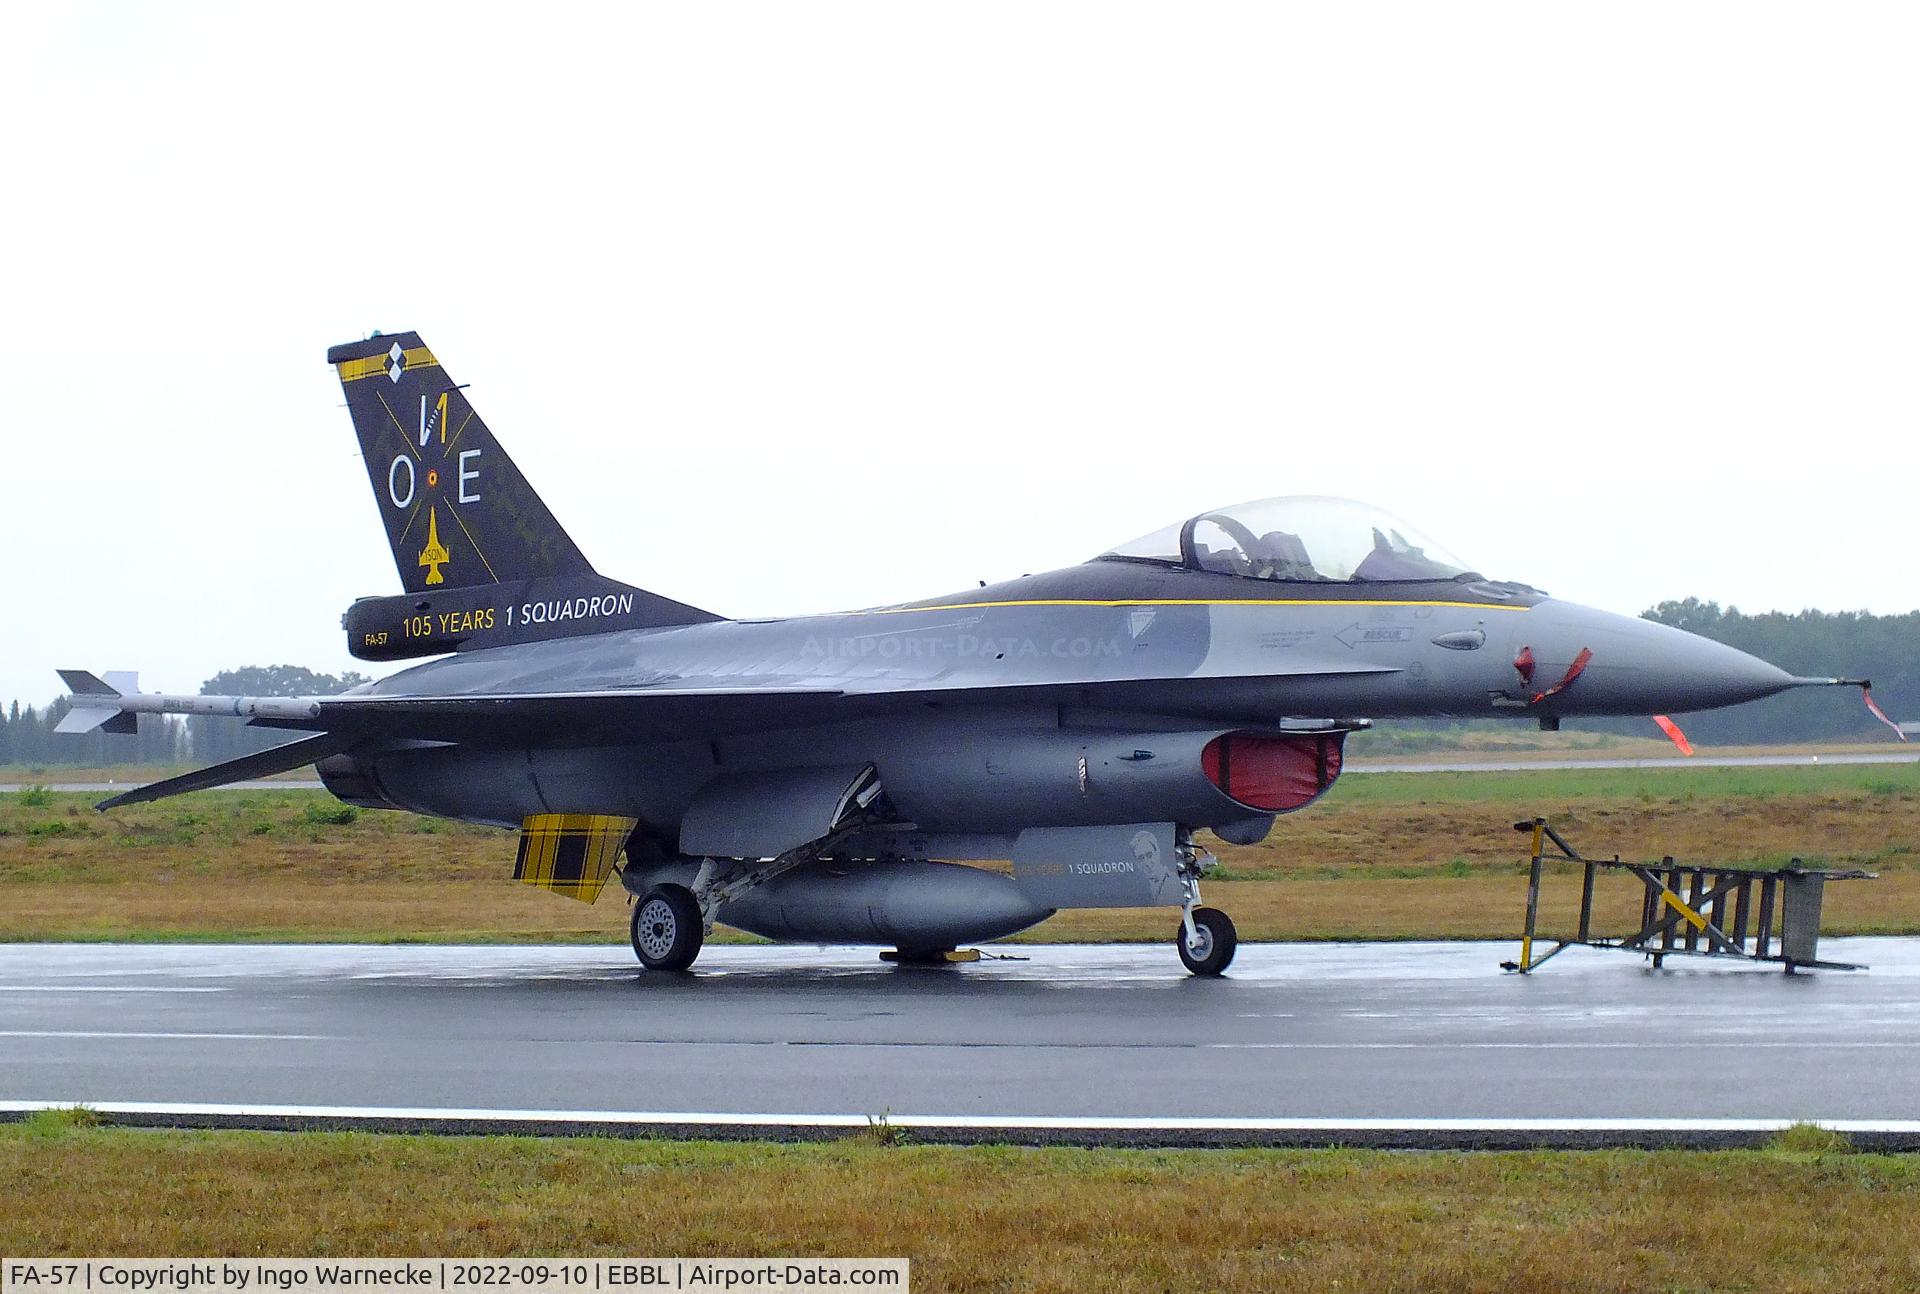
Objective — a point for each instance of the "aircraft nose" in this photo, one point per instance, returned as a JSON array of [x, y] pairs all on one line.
[[1638, 666]]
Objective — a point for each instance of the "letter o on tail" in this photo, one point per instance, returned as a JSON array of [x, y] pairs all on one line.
[[393, 481]]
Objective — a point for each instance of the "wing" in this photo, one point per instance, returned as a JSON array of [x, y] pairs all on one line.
[[585, 718], [669, 710], [574, 718], [683, 712]]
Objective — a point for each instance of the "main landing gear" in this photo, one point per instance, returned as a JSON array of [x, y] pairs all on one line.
[[668, 928], [671, 921]]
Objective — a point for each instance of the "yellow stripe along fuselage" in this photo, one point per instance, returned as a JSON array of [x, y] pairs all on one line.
[[1194, 602]]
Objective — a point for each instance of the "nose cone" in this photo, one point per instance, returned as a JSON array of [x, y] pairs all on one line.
[[1639, 667]]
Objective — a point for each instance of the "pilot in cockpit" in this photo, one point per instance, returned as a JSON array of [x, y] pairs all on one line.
[[1278, 555]]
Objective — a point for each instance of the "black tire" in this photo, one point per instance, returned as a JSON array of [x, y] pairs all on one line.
[[667, 930], [1217, 942]]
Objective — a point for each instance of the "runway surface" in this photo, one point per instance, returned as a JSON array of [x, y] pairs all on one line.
[[1665, 761], [1300, 1042]]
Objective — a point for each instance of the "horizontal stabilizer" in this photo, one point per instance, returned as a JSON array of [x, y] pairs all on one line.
[[265, 763]]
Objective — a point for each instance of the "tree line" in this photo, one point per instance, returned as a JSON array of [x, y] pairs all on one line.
[[27, 734], [1850, 644]]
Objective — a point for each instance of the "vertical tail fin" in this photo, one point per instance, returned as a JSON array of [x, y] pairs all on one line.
[[483, 561], [457, 510]]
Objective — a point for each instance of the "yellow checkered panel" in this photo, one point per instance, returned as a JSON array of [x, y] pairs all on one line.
[[570, 853]]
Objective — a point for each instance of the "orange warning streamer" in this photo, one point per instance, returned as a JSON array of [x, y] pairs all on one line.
[[1674, 734], [1573, 672], [1881, 715]]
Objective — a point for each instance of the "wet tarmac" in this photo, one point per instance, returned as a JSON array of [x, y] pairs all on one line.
[[1311, 1036]]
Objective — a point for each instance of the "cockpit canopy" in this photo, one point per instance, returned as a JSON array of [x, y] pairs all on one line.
[[1300, 537]]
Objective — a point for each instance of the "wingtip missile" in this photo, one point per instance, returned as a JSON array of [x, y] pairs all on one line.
[[112, 702]]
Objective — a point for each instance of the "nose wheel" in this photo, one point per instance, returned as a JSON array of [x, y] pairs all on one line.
[[667, 928], [1209, 948]]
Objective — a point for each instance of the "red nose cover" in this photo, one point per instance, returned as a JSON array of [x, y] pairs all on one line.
[[1274, 774]]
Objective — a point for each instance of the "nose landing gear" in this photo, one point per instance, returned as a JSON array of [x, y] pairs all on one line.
[[1206, 940]]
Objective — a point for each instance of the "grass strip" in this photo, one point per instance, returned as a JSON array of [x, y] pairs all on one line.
[[1387, 856], [1807, 1216]]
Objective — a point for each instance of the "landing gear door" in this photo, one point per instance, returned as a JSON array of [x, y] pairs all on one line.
[[1135, 865]]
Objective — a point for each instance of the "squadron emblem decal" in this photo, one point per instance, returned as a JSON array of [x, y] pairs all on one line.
[[396, 363], [434, 555]]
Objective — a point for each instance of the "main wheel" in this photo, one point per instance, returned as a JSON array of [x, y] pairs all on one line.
[[667, 928], [1212, 950]]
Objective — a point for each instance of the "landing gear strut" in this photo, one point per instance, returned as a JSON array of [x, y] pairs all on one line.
[[1206, 938], [668, 928]]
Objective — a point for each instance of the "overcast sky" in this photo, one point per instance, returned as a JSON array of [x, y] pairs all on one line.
[[794, 308]]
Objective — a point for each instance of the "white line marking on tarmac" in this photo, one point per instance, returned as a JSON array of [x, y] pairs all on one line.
[[738, 1119], [102, 988], [1697, 1044], [1741, 1044], [198, 1037]]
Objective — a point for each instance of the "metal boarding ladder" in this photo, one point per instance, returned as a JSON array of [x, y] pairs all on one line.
[[1762, 916]]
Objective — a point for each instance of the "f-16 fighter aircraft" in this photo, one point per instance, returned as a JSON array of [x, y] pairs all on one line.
[[826, 778]]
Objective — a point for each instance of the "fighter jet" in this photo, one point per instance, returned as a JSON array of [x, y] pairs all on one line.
[[829, 778]]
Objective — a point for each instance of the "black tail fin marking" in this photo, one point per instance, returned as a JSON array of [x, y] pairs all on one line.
[[483, 561], [457, 510]]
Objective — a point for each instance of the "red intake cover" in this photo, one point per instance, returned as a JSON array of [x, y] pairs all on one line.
[[1274, 774]]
